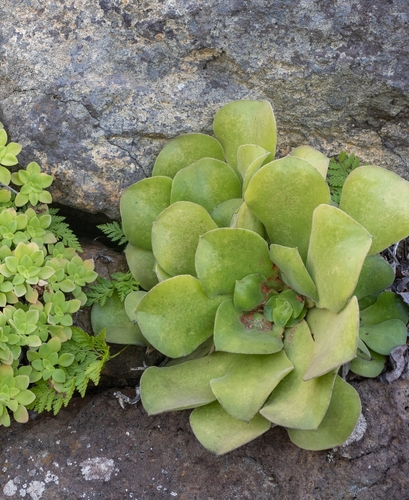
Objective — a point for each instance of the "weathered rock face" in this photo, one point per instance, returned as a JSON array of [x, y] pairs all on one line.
[[93, 89]]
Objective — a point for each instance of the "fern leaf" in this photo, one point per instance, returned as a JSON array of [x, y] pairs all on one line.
[[103, 289], [100, 291], [62, 231], [114, 232], [338, 170], [90, 355]]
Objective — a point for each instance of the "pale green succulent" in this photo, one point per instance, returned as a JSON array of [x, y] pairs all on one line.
[[48, 364], [25, 268], [58, 309], [33, 182], [256, 279], [14, 395], [22, 227], [38, 279]]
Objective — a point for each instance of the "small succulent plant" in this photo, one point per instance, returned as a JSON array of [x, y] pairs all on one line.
[[41, 287], [259, 288]]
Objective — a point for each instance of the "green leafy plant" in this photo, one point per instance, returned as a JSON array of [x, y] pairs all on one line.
[[259, 287], [114, 232], [338, 170], [43, 358], [83, 356]]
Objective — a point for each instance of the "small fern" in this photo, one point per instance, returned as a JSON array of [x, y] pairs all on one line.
[[62, 231], [90, 355], [338, 170], [114, 232], [102, 289]]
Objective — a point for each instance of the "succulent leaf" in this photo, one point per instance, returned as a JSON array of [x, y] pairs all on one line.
[[290, 403], [174, 244], [283, 195], [176, 316], [245, 122], [335, 338], [185, 150], [183, 386], [140, 204], [316, 158], [248, 382], [220, 433], [141, 264], [228, 254], [250, 333], [207, 182], [379, 200], [338, 423], [333, 236]]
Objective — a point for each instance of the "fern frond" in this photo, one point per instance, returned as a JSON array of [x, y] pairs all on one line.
[[100, 291], [62, 231], [338, 170], [90, 355], [114, 232], [103, 289]]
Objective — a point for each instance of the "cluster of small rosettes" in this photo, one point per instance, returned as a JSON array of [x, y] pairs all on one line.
[[41, 282]]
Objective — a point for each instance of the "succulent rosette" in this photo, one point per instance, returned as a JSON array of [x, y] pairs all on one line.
[[259, 287]]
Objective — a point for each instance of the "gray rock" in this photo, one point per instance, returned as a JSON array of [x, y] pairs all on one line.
[[94, 89]]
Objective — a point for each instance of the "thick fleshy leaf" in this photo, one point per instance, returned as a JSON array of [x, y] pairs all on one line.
[[313, 156], [249, 154], [383, 337], [338, 423], [249, 381], [130, 303], [285, 309], [207, 182], [253, 168], [369, 368], [140, 204], [220, 433], [249, 292], [337, 250], [335, 338], [113, 318], [9, 160], [283, 195], [245, 219], [14, 148], [185, 150], [160, 273], [376, 275], [176, 316], [183, 386], [387, 306], [21, 414], [175, 236], [5, 176], [141, 263], [25, 397], [228, 254], [290, 403], [223, 213], [3, 137], [293, 270], [245, 122], [379, 200], [237, 332]]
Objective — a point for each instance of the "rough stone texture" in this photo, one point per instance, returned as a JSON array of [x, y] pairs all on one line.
[[94, 449], [93, 89]]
